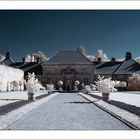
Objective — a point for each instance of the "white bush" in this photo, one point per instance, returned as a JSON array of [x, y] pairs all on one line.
[[32, 84], [105, 85], [87, 88], [134, 82], [102, 55], [40, 55], [121, 84], [50, 87], [7, 77], [93, 87]]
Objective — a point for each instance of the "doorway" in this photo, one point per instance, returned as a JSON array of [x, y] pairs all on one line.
[[68, 83]]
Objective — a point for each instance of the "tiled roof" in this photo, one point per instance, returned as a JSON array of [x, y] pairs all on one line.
[[8, 62], [32, 67], [128, 67], [68, 57], [106, 67]]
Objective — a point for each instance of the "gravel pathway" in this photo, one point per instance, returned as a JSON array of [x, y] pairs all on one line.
[[68, 111]]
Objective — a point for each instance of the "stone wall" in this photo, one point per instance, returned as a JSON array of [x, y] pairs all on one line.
[[68, 74]]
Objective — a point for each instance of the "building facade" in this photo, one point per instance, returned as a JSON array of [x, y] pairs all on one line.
[[69, 66]]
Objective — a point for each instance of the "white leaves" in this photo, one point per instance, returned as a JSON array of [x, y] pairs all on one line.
[[138, 59], [33, 58], [87, 88], [93, 87], [134, 82], [28, 58], [105, 85], [101, 55], [120, 84], [40, 55], [50, 87], [32, 83]]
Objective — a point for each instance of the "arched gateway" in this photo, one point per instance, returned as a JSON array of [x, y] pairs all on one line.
[[68, 76], [68, 66]]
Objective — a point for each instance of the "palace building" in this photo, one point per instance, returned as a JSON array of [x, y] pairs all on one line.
[[69, 66]]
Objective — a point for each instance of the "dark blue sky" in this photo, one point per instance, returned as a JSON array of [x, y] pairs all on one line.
[[23, 32]]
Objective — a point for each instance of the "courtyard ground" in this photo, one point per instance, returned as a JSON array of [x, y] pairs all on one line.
[[68, 111], [128, 97], [6, 98], [12, 111], [119, 109], [14, 96]]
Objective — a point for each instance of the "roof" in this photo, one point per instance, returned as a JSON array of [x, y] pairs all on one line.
[[18, 64], [128, 67], [32, 67], [8, 62], [106, 67], [68, 57]]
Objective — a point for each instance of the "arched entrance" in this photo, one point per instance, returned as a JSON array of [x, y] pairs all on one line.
[[68, 82], [68, 78]]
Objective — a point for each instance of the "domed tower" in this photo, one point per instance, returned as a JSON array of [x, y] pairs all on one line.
[[81, 50]]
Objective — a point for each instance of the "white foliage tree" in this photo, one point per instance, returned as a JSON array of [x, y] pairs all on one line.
[[33, 59], [50, 88], [134, 82], [105, 86], [93, 87], [32, 85], [102, 55], [28, 58], [138, 59], [121, 84], [40, 55], [87, 89], [91, 58]]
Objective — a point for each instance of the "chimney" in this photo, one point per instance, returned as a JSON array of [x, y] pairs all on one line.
[[113, 59], [99, 60], [23, 60], [37, 60], [128, 55], [8, 55]]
